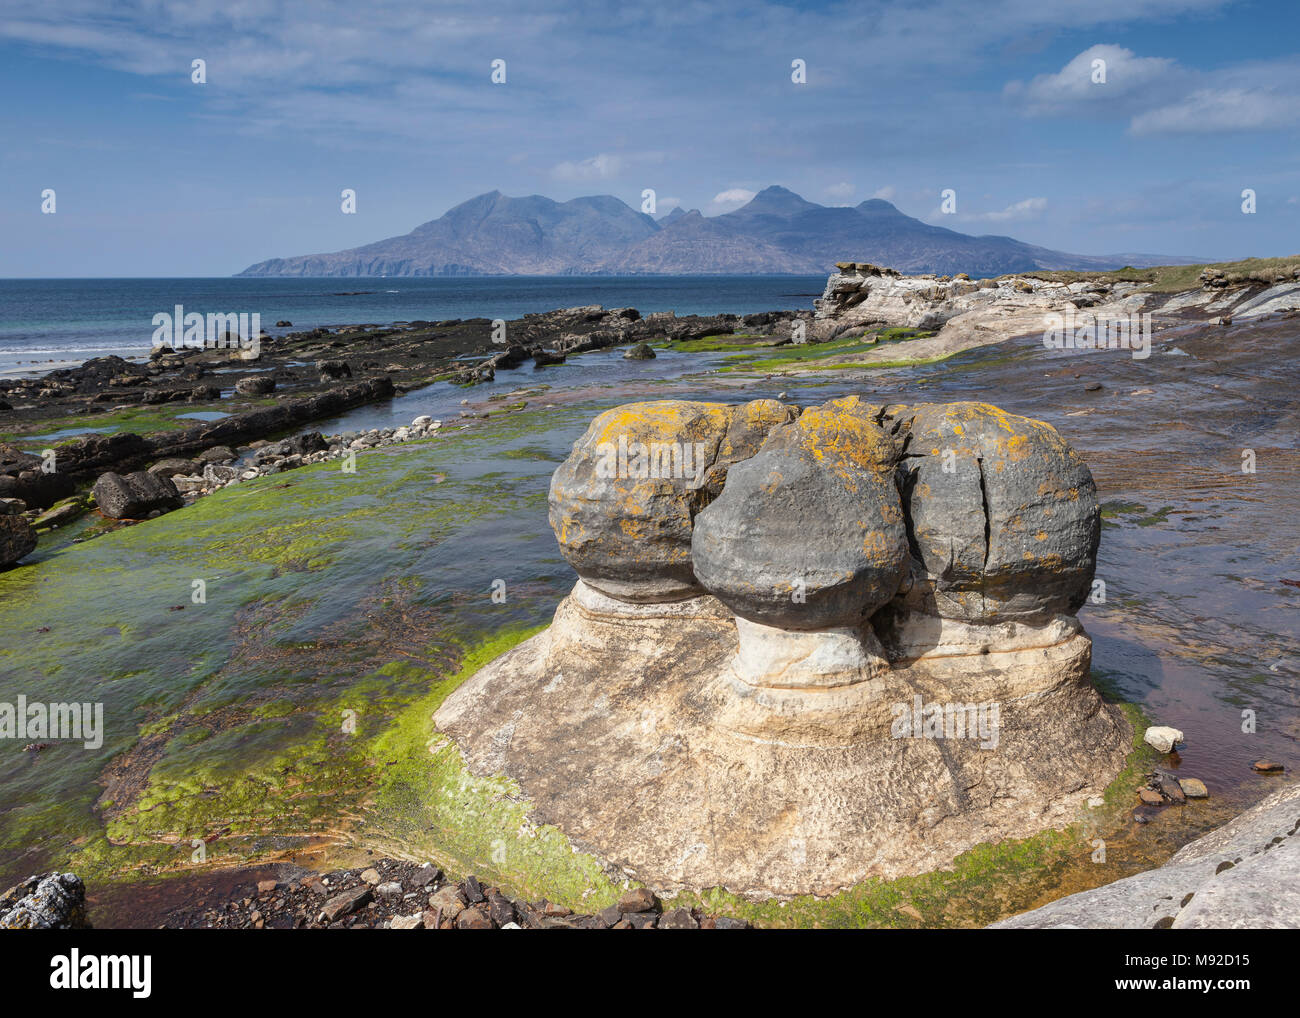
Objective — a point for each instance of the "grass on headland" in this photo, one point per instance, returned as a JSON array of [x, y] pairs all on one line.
[[1176, 278]]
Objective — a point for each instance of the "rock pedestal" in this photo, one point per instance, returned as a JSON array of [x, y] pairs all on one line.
[[818, 657]]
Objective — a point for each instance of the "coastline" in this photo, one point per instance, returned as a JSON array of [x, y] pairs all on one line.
[[766, 357]]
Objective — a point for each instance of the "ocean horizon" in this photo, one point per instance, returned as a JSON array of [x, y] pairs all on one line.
[[49, 323]]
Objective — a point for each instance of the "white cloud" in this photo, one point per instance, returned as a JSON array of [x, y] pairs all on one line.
[[887, 193], [1126, 75], [842, 191], [598, 167], [1213, 110], [732, 198], [1017, 212]]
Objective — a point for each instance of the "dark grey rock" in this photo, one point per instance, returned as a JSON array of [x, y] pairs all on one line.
[[136, 495], [255, 385], [1003, 515], [809, 533]]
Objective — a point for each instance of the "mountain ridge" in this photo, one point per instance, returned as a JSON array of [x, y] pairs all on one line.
[[777, 232]]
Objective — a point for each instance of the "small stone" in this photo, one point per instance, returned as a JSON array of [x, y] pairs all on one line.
[[642, 920], [1163, 739], [371, 876], [678, 919], [449, 900], [609, 916], [1194, 788], [511, 926], [622, 924], [345, 903], [639, 899], [407, 922], [473, 889], [473, 919], [500, 909], [1171, 789], [266, 886], [1267, 767], [1151, 797], [389, 891], [729, 923], [1096, 800], [553, 911]]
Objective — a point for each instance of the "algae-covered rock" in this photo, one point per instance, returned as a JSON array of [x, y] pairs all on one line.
[[809, 533], [1003, 514], [623, 504]]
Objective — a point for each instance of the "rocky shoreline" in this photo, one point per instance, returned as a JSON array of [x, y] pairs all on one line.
[[285, 383], [387, 894]]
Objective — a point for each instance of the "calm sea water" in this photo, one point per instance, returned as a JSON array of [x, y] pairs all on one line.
[[48, 322]]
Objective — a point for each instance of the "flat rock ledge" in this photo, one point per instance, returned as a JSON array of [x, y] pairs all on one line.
[[832, 643], [1243, 875]]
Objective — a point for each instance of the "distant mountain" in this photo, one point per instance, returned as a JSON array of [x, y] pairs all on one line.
[[777, 232]]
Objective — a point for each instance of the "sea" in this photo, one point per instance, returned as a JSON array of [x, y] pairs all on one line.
[[50, 323]]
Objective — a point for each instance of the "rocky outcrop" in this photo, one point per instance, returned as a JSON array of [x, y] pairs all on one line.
[[766, 679], [1244, 875], [860, 295], [55, 901], [17, 538]]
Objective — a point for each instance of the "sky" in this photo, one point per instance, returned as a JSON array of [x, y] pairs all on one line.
[[155, 174]]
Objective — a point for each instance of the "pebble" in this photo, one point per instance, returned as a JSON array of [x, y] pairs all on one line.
[[1267, 767], [1194, 788], [639, 899]]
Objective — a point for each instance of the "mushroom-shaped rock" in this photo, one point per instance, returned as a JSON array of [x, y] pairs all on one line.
[[623, 504], [1003, 514], [809, 533]]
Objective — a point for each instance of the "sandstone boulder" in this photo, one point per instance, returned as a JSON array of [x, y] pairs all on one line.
[[1003, 514], [809, 533]]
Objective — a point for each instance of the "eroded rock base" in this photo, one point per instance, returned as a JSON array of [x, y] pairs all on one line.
[[635, 730]]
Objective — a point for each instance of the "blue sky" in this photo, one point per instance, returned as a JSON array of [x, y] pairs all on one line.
[[156, 175]]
